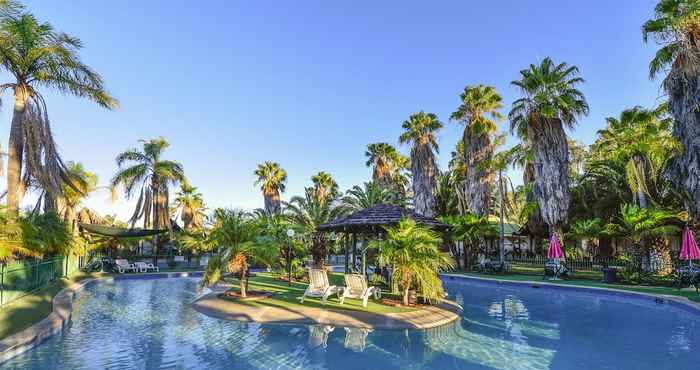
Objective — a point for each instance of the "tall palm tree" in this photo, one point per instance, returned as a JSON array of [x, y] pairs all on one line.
[[145, 172], [369, 195], [325, 185], [37, 56], [550, 102], [308, 212], [642, 140], [387, 165], [478, 112], [271, 178], [420, 129], [190, 203], [675, 28], [83, 183]]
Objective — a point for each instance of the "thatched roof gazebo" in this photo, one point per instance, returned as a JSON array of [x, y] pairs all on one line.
[[371, 222]]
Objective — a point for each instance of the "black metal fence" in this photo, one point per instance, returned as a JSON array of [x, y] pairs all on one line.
[[597, 263]]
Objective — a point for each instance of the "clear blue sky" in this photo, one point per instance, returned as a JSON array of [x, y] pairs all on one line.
[[310, 83]]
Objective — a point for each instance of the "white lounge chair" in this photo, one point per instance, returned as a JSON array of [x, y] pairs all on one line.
[[356, 339], [124, 266], [145, 266], [356, 287], [319, 286]]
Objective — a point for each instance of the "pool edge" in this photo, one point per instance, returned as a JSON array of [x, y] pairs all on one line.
[[62, 312], [676, 301]]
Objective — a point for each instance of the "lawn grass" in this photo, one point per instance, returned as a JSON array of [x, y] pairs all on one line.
[[32, 308], [285, 296], [663, 290]]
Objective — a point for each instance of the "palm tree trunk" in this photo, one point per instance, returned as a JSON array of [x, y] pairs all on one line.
[[14, 151], [272, 202], [551, 167], [424, 170], [244, 282], [477, 152], [405, 295]]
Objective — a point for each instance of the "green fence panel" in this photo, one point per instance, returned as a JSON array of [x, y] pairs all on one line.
[[20, 278]]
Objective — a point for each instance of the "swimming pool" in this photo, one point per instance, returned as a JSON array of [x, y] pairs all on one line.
[[148, 324]]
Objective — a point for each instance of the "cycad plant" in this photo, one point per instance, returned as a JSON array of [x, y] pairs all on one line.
[[37, 56], [236, 236], [413, 251]]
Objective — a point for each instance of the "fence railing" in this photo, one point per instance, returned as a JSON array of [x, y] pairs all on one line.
[[596, 264], [20, 278]]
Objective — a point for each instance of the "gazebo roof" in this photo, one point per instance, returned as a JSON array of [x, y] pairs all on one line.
[[373, 218]]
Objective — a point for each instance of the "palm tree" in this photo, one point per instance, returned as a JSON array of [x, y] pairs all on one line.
[[272, 179], [675, 28], [419, 132], [414, 254], [388, 165], [146, 172], [550, 102], [325, 185], [369, 195], [190, 204], [310, 211], [471, 230], [478, 112], [236, 235], [37, 57], [12, 238], [641, 225], [83, 183], [642, 140]]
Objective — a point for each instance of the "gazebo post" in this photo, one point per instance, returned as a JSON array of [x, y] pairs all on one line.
[[347, 251], [354, 251]]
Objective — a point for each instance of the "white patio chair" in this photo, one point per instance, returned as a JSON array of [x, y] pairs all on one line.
[[124, 266], [319, 286], [145, 266], [356, 287], [356, 339]]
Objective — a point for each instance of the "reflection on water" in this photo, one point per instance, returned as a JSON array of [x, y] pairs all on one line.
[[148, 324]]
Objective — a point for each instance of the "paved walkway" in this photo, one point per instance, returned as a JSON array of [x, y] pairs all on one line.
[[424, 318]]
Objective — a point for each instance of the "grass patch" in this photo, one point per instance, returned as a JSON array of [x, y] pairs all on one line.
[[32, 308], [691, 295], [285, 296]]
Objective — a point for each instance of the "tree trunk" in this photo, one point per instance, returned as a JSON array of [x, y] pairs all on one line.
[[15, 151], [551, 185], [424, 170], [405, 295], [272, 202], [244, 278], [683, 88], [478, 151]]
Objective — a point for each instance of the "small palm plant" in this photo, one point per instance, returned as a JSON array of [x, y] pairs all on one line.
[[240, 245], [470, 229], [413, 252]]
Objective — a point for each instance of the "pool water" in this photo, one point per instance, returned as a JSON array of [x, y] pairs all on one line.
[[148, 324]]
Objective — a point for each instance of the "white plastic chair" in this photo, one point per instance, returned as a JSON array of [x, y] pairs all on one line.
[[319, 286], [356, 287], [124, 266], [144, 267]]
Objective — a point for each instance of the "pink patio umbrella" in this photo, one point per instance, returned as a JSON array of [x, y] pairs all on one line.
[[689, 249], [555, 252]]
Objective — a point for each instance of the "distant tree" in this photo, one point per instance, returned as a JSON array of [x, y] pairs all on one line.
[[272, 180]]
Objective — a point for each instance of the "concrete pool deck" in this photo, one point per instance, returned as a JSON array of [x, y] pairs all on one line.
[[425, 317]]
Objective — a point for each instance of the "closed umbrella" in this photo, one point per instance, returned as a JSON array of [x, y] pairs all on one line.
[[555, 252], [689, 249]]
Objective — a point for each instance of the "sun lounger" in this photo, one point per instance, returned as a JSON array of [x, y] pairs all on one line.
[[124, 266], [356, 339], [145, 267], [555, 270], [319, 286], [356, 287]]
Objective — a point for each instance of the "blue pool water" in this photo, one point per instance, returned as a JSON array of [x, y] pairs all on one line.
[[148, 324]]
